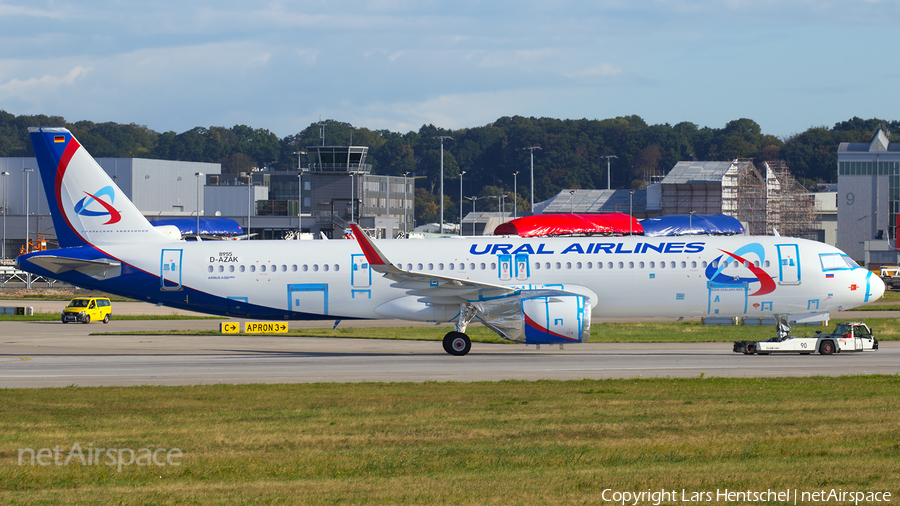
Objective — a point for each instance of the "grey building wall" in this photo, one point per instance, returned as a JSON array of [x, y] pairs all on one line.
[[862, 212]]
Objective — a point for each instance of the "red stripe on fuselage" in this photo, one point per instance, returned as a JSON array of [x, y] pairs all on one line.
[[64, 160]]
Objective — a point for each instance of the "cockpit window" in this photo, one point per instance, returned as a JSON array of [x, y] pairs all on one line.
[[836, 262]]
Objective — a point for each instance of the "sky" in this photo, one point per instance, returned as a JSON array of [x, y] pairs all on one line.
[[394, 64]]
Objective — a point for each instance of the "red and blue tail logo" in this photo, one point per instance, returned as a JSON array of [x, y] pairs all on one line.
[[82, 207]]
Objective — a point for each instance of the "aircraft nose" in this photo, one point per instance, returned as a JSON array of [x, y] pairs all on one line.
[[876, 287]]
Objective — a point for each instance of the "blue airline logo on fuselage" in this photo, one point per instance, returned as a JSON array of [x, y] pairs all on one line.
[[593, 248]]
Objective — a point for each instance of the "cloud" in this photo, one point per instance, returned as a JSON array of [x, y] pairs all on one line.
[[602, 70], [29, 88]]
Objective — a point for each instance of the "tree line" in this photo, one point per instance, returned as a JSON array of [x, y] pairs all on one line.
[[572, 155]]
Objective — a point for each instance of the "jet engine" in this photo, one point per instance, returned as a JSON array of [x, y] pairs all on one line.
[[538, 317]]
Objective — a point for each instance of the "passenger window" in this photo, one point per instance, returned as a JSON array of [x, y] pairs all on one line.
[[221, 268], [558, 266], [315, 267], [325, 267], [493, 266], [568, 265], [294, 268], [547, 265], [440, 266], [337, 267], [609, 265], [305, 267], [621, 265], [482, 266], [430, 267], [242, 268], [631, 265], [419, 267], [641, 265], [684, 265], [262, 268], [590, 265], [652, 265], [471, 267], [672, 265], [210, 268], [230, 268], [537, 266], [451, 267]]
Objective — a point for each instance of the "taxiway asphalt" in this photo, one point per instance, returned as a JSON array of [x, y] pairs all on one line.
[[43, 354]]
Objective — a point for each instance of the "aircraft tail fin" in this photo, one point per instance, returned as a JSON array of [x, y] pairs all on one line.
[[86, 205]]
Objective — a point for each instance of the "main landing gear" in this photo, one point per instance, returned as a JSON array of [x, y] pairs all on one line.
[[457, 343]]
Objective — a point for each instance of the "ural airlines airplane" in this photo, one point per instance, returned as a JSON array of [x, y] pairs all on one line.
[[528, 290]]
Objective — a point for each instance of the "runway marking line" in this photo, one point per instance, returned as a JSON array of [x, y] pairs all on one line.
[[15, 359]]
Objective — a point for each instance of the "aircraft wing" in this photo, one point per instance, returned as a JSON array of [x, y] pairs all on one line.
[[434, 289]]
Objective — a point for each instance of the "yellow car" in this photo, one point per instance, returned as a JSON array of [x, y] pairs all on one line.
[[85, 309]]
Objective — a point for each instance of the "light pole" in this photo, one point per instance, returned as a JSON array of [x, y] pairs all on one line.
[[607, 169], [27, 172], [631, 212], [405, 199], [515, 195], [473, 199], [460, 201], [572, 201], [442, 137], [351, 198], [5, 208], [249, 202], [198, 174], [532, 148]]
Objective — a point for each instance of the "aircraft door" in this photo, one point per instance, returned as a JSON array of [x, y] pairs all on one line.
[[360, 272], [522, 271], [170, 270], [506, 267], [308, 298], [727, 299], [788, 264]]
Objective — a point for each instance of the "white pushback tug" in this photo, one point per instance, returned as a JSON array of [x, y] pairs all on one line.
[[849, 336]]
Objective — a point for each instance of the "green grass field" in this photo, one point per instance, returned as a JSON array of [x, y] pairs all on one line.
[[510, 442]]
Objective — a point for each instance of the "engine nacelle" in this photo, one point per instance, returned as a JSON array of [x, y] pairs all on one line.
[[538, 317]]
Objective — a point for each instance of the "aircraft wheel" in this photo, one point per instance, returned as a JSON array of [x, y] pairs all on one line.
[[106, 319], [826, 348], [63, 319], [87, 319], [457, 343]]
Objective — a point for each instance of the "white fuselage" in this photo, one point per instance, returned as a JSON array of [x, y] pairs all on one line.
[[625, 276]]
